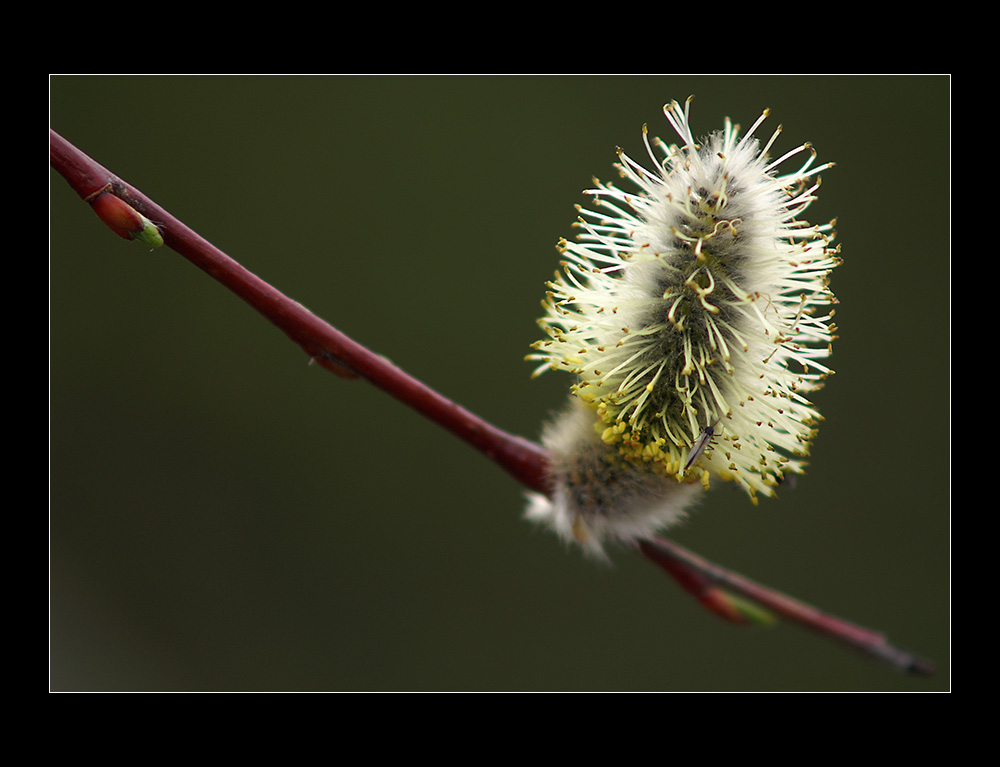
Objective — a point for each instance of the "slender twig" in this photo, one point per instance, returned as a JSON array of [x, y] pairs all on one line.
[[702, 579], [527, 461], [321, 341]]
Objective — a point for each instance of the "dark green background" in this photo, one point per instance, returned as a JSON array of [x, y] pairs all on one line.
[[225, 517]]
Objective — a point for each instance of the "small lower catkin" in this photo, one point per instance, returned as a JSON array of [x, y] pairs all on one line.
[[697, 305]]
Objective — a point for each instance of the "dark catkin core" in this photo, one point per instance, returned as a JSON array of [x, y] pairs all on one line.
[[599, 481], [699, 259]]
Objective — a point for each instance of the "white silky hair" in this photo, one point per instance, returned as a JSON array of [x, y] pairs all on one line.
[[599, 498]]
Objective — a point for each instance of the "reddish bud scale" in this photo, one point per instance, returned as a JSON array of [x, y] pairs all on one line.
[[120, 217], [735, 608], [719, 603]]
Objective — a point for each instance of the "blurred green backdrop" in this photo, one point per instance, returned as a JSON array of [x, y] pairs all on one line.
[[224, 516]]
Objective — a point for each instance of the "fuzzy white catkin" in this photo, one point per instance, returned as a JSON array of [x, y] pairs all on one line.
[[693, 315], [599, 495]]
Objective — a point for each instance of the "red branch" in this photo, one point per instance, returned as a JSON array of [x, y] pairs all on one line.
[[332, 349], [525, 460], [702, 579]]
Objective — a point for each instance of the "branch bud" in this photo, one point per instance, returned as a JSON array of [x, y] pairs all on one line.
[[124, 220]]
